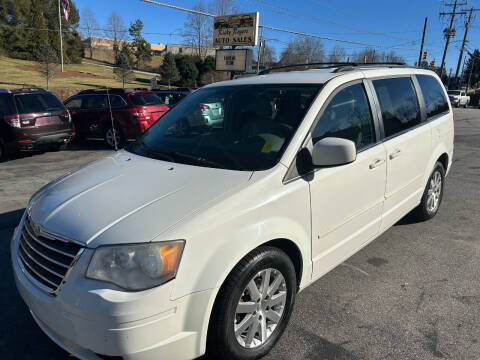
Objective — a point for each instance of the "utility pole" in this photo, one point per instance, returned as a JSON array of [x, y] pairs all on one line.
[[450, 32], [259, 51], [423, 41], [462, 49]]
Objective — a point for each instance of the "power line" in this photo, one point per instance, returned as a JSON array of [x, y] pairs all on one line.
[[299, 33]]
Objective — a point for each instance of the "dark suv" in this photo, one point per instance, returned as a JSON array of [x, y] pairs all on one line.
[[133, 111], [30, 118]]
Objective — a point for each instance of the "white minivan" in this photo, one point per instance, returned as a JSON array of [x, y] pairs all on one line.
[[196, 240]]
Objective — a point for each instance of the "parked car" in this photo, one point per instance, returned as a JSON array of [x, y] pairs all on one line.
[[458, 98], [32, 118], [223, 226], [172, 97], [133, 111]]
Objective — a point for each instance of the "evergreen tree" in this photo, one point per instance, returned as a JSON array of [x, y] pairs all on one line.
[[187, 69], [472, 69], [140, 47], [36, 36], [123, 71], [169, 70]]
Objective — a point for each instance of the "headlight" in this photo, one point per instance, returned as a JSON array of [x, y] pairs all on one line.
[[136, 267]]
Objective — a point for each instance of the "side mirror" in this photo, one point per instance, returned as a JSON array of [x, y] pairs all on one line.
[[333, 151]]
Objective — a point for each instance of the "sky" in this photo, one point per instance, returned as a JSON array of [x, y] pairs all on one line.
[[383, 23]]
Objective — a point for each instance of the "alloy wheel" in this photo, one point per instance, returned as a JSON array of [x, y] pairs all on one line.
[[434, 192], [260, 308], [109, 137]]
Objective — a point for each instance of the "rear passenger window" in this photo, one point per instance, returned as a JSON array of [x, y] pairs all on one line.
[[347, 116], [6, 107], [94, 102], [398, 103], [116, 102], [74, 104], [434, 96]]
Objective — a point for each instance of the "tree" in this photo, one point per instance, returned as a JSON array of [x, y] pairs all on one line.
[[140, 47], [187, 69], [38, 34], [116, 31], [198, 30], [337, 54], [302, 50], [223, 7], [90, 26], [169, 70], [123, 71], [269, 57], [48, 60], [472, 68]]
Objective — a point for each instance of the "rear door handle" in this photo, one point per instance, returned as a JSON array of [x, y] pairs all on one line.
[[376, 163], [395, 153]]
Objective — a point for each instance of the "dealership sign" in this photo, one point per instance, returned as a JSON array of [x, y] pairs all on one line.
[[232, 30], [233, 60]]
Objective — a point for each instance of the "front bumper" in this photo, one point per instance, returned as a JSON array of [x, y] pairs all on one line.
[[88, 317]]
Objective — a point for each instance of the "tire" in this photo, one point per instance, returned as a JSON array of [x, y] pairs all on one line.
[[109, 138], [57, 146], [427, 210], [2, 151], [252, 270]]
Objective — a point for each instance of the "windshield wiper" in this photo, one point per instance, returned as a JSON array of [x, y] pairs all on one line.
[[165, 155], [197, 159]]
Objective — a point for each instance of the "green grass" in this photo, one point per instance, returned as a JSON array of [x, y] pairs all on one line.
[[77, 76]]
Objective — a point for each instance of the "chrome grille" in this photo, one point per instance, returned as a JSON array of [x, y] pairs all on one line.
[[46, 260]]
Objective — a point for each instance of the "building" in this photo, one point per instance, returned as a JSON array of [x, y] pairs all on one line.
[[157, 49], [107, 44], [187, 50]]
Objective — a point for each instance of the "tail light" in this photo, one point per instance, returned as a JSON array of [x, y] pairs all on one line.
[[141, 114], [13, 120], [203, 107]]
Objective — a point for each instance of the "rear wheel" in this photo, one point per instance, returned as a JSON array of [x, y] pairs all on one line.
[[2, 151], [113, 135], [253, 306], [433, 194]]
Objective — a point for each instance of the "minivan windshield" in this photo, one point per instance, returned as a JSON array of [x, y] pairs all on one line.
[[236, 127], [34, 103], [453, 92]]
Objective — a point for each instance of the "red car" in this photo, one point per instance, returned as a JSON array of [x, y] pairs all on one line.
[[133, 112]]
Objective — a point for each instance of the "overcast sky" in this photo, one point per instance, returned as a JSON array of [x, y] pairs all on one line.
[[388, 23]]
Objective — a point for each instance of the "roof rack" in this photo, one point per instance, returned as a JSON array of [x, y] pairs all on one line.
[[339, 66], [111, 91], [24, 90]]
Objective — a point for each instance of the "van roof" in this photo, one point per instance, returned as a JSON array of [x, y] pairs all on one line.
[[320, 76]]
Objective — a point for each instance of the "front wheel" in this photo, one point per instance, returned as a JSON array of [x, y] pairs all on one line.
[[253, 306], [432, 195]]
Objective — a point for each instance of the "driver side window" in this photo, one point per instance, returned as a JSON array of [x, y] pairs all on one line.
[[347, 116]]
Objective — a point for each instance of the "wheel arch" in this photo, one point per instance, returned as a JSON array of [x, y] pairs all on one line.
[[286, 245]]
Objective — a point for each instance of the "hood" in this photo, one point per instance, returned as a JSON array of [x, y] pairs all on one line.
[[126, 198]]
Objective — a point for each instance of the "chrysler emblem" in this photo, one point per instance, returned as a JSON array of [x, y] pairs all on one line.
[[35, 227]]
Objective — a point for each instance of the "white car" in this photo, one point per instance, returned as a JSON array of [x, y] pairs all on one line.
[[458, 98], [189, 242]]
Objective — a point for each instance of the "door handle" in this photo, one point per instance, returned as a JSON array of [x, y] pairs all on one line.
[[376, 163], [395, 153]]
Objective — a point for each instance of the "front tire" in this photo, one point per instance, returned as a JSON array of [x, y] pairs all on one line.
[[253, 306], [432, 195]]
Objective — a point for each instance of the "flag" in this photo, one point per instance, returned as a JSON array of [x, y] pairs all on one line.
[[66, 8]]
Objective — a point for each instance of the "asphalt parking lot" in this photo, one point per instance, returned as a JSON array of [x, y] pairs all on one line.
[[411, 294]]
